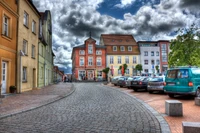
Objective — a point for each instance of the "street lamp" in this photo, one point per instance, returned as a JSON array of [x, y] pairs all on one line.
[[21, 53], [133, 67]]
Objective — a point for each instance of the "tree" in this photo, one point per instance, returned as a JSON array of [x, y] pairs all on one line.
[[139, 68], [157, 68], [124, 66], [106, 71], [185, 49]]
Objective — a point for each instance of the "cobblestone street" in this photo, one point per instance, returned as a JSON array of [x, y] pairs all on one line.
[[91, 108]]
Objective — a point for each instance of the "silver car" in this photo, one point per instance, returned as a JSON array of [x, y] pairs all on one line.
[[128, 81], [115, 80], [156, 84]]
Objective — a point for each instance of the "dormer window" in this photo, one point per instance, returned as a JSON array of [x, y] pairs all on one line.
[[114, 48], [122, 48], [129, 48]]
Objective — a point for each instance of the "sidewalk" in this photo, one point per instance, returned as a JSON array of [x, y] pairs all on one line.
[[191, 112], [29, 100]]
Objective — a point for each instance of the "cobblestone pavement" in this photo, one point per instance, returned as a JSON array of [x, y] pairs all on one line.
[[92, 108]]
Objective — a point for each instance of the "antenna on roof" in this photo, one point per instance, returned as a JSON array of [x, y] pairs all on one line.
[[90, 34]]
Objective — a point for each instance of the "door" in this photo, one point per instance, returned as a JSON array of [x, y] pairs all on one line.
[[90, 75], [4, 77]]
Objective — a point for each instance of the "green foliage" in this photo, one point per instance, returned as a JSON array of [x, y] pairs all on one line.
[[106, 70], [157, 68], [125, 67], [139, 68], [185, 49]]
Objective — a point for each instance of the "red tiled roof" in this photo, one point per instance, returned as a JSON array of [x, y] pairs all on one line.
[[118, 39]]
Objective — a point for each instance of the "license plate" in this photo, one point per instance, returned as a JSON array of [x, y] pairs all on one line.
[[134, 83], [171, 84]]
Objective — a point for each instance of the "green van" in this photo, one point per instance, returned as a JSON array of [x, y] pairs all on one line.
[[182, 81]]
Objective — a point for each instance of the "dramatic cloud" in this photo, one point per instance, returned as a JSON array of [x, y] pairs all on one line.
[[74, 19]]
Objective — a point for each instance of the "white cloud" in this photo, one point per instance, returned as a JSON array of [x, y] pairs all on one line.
[[125, 3]]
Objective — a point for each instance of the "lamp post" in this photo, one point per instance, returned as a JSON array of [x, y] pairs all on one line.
[[21, 53], [133, 67]]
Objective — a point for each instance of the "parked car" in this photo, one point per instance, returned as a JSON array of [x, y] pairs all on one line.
[[182, 81], [156, 84], [140, 83], [114, 80], [128, 81], [122, 81]]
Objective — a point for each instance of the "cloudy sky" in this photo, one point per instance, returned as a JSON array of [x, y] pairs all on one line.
[[72, 20]]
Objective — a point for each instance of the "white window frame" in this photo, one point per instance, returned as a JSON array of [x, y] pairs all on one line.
[[26, 17], [111, 60], [114, 48], [81, 61], [127, 71], [90, 49], [25, 47], [134, 59], [129, 48], [157, 53], [127, 59], [90, 61], [81, 52], [6, 25], [99, 61], [34, 26], [98, 52], [24, 76], [119, 60], [145, 53], [122, 48], [146, 62], [152, 53]]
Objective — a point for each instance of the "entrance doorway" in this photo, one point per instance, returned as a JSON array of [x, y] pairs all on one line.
[[90, 75], [4, 77]]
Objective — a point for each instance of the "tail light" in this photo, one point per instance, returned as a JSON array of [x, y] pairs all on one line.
[[164, 83], [190, 84], [140, 83]]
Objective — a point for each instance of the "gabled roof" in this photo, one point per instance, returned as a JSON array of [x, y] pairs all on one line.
[[118, 39]]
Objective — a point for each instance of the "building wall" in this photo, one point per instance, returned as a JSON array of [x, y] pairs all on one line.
[[26, 33], [41, 65], [8, 44]]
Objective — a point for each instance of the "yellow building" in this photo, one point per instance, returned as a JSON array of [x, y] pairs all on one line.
[[120, 49], [27, 53], [8, 44]]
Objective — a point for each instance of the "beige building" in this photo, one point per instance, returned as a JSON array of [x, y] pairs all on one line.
[[120, 49], [27, 50]]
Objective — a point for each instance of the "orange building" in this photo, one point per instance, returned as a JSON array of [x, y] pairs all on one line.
[[8, 43], [88, 61]]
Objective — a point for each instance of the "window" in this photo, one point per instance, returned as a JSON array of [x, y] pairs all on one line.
[[127, 71], [127, 59], [81, 52], [134, 59], [157, 62], [26, 19], [119, 60], [152, 62], [146, 70], [129, 48], [33, 51], [90, 61], [33, 26], [111, 60], [152, 53], [164, 52], [98, 52], [114, 48], [122, 48], [81, 61], [146, 62], [157, 53], [145, 53], [24, 77], [90, 49], [6, 21], [25, 47], [98, 61], [119, 71]]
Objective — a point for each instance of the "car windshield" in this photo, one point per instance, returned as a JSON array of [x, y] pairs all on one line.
[[130, 78], [156, 79]]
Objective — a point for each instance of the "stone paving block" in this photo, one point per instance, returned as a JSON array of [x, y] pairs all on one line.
[[197, 101], [173, 108], [191, 127]]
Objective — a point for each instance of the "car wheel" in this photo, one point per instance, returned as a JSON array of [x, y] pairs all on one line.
[[197, 92], [120, 86], [150, 92], [115, 85], [171, 95], [135, 90]]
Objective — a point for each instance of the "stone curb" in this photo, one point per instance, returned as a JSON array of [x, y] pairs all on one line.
[[32, 108], [163, 124]]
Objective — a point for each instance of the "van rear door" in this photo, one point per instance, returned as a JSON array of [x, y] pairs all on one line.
[[182, 81], [170, 80]]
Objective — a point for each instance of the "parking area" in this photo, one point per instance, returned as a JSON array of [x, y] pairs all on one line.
[[191, 112]]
